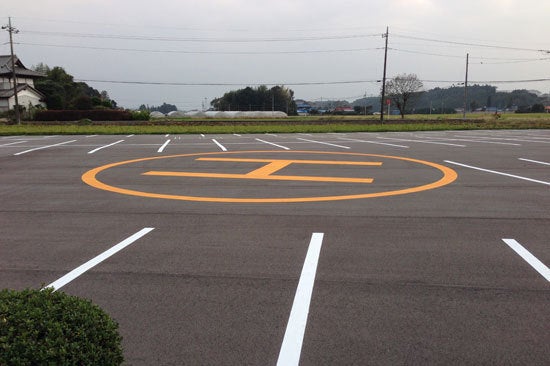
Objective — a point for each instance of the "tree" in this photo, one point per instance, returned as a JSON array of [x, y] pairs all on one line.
[[278, 98], [62, 92], [404, 90]]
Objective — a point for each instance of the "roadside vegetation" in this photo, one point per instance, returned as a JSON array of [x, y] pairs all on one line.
[[298, 124]]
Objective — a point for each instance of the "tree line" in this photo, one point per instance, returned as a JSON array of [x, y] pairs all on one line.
[[62, 92], [277, 98]]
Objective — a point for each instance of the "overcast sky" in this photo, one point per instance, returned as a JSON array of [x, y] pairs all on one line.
[[338, 44]]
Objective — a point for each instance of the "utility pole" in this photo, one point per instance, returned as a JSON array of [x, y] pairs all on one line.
[[382, 101], [466, 88], [12, 30]]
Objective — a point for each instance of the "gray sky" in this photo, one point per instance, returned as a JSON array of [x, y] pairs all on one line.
[[280, 42]]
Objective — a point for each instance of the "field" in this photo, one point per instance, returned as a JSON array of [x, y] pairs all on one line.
[[299, 124]]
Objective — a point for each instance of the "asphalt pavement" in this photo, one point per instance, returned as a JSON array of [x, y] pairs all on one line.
[[331, 249]]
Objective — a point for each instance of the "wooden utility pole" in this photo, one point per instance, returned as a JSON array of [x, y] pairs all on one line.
[[382, 100], [466, 88], [12, 30]]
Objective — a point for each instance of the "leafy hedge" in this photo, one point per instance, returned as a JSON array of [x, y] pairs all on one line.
[[75, 115], [53, 328]]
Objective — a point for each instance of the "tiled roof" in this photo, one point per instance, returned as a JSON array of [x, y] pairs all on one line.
[[8, 93], [20, 69]]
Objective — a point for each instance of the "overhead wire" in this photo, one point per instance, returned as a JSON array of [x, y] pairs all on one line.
[[201, 52], [196, 39]]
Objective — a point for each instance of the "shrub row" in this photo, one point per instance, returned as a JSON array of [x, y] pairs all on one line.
[[75, 115], [52, 328]]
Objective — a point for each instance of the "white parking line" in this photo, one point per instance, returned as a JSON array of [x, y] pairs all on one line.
[[161, 149], [103, 147], [478, 140], [167, 135], [529, 258], [91, 136], [535, 161], [324, 143], [271, 143], [236, 134], [13, 143], [506, 139], [56, 285], [44, 147], [373, 142], [291, 348], [500, 173], [421, 142], [219, 145], [130, 135]]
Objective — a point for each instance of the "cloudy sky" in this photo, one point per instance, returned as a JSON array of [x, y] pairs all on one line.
[[186, 52]]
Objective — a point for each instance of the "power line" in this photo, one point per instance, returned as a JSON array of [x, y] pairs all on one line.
[[226, 84], [469, 44], [206, 40], [304, 83], [508, 61], [201, 52]]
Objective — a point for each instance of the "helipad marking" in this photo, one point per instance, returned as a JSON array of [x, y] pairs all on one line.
[[274, 165], [449, 175]]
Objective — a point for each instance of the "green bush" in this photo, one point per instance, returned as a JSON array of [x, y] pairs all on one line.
[[53, 328], [141, 115]]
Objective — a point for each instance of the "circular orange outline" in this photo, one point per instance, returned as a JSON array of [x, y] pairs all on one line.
[[449, 175]]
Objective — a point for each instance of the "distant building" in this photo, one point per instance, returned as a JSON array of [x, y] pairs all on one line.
[[26, 93]]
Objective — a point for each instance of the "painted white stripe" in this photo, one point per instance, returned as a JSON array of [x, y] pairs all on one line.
[[43, 147], [202, 135], [13, 143], [469, 140], [130, 135], [91, 136], [236, 134], [421, 142], [219, 145], [167, 135], [535, 161], [373, 142], [529, 258], [271, 143], [56, 285], [324, 143], [105, 146], [500, 173], [507, 139], [161, 149], [291, 348], [271, 134]]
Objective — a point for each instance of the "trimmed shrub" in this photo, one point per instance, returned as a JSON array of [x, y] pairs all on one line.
[[53, 328], [75, 115]]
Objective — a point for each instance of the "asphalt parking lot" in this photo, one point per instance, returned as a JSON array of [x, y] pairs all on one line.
[[330, 249]]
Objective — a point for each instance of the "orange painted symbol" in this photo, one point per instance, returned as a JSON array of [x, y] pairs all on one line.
[[267, 171], [130, 172]]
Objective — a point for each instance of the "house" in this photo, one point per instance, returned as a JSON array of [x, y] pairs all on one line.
[[26, 93], [547, 109]]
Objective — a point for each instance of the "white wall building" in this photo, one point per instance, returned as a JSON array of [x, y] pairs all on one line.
[[26, 93]]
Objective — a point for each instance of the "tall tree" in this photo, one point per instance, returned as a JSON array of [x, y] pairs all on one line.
[[404, 90]]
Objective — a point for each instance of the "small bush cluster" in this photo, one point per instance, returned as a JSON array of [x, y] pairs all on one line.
[[76, 115], [141, 115], [53, 328]]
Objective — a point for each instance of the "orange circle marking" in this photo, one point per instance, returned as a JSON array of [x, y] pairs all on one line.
[[90, 178]]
